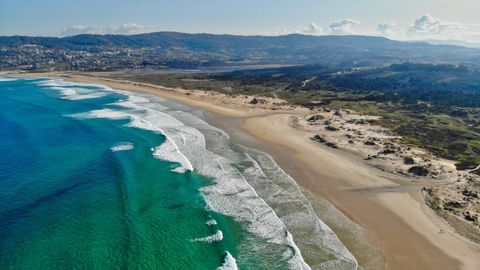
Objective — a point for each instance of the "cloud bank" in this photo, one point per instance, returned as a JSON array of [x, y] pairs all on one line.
[[389, 29], [124, 29], [425, 27], [341, 27], [431, 27]]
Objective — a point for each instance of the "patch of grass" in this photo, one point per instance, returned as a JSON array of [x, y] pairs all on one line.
[[444, 135]]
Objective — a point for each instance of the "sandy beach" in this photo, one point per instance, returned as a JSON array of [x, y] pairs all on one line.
[[389, 207], [394, 215]]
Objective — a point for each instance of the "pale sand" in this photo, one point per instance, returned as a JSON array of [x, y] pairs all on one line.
[[393, 214], [407, 231]]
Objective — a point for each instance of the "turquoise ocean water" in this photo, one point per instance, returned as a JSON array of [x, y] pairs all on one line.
[[92, 178]]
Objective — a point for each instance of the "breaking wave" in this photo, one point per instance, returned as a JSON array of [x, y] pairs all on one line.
[[229, 263], [124, 146], [218, 236], [248, 184]]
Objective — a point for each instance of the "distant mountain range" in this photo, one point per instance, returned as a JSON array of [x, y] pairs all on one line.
[[177, 49], [466, 44]]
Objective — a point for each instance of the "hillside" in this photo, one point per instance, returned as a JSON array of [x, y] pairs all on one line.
[[172, 49]]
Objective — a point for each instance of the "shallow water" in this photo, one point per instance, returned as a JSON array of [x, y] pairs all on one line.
[[92, 178]]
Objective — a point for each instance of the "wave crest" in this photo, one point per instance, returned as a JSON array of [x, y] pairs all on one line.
[[231, 194], [124, 146], [218, 236]]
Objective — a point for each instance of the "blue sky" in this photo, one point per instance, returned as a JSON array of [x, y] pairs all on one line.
[[401, 19]]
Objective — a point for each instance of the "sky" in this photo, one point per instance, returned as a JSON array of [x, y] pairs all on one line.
[[400, 19]]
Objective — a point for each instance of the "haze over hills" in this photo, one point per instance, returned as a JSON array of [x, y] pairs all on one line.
[[454, 43], [173, 49]]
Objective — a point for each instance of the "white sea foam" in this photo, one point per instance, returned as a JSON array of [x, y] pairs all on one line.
[[167, 151], [78, 94], [281, 193], [137, 99], [231, 194], [218, 236], [62, 83], [123, 146], [102, 113], [211, 222], [8, 79], [75, 91], [229, 263]]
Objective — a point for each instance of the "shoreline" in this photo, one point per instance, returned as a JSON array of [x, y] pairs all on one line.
[[393, 214], [395, 218]]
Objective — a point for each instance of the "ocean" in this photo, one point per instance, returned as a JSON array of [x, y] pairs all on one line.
[[97, 178]]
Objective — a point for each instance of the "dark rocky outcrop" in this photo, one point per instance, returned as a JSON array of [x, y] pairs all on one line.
[[470, 193], [387, 152], [319, 139], [357, 121], [418, 171], [370, 143], [315, 118], [408, 160], [255, 101], [469, 216], [455, 204], [330, 128], [330, 144]]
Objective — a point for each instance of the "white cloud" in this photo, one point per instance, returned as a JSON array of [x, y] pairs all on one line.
[[428, 27], [390, 30], [387, 29], [124, 29], [431, 27], [343, 27], [314, 29]]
